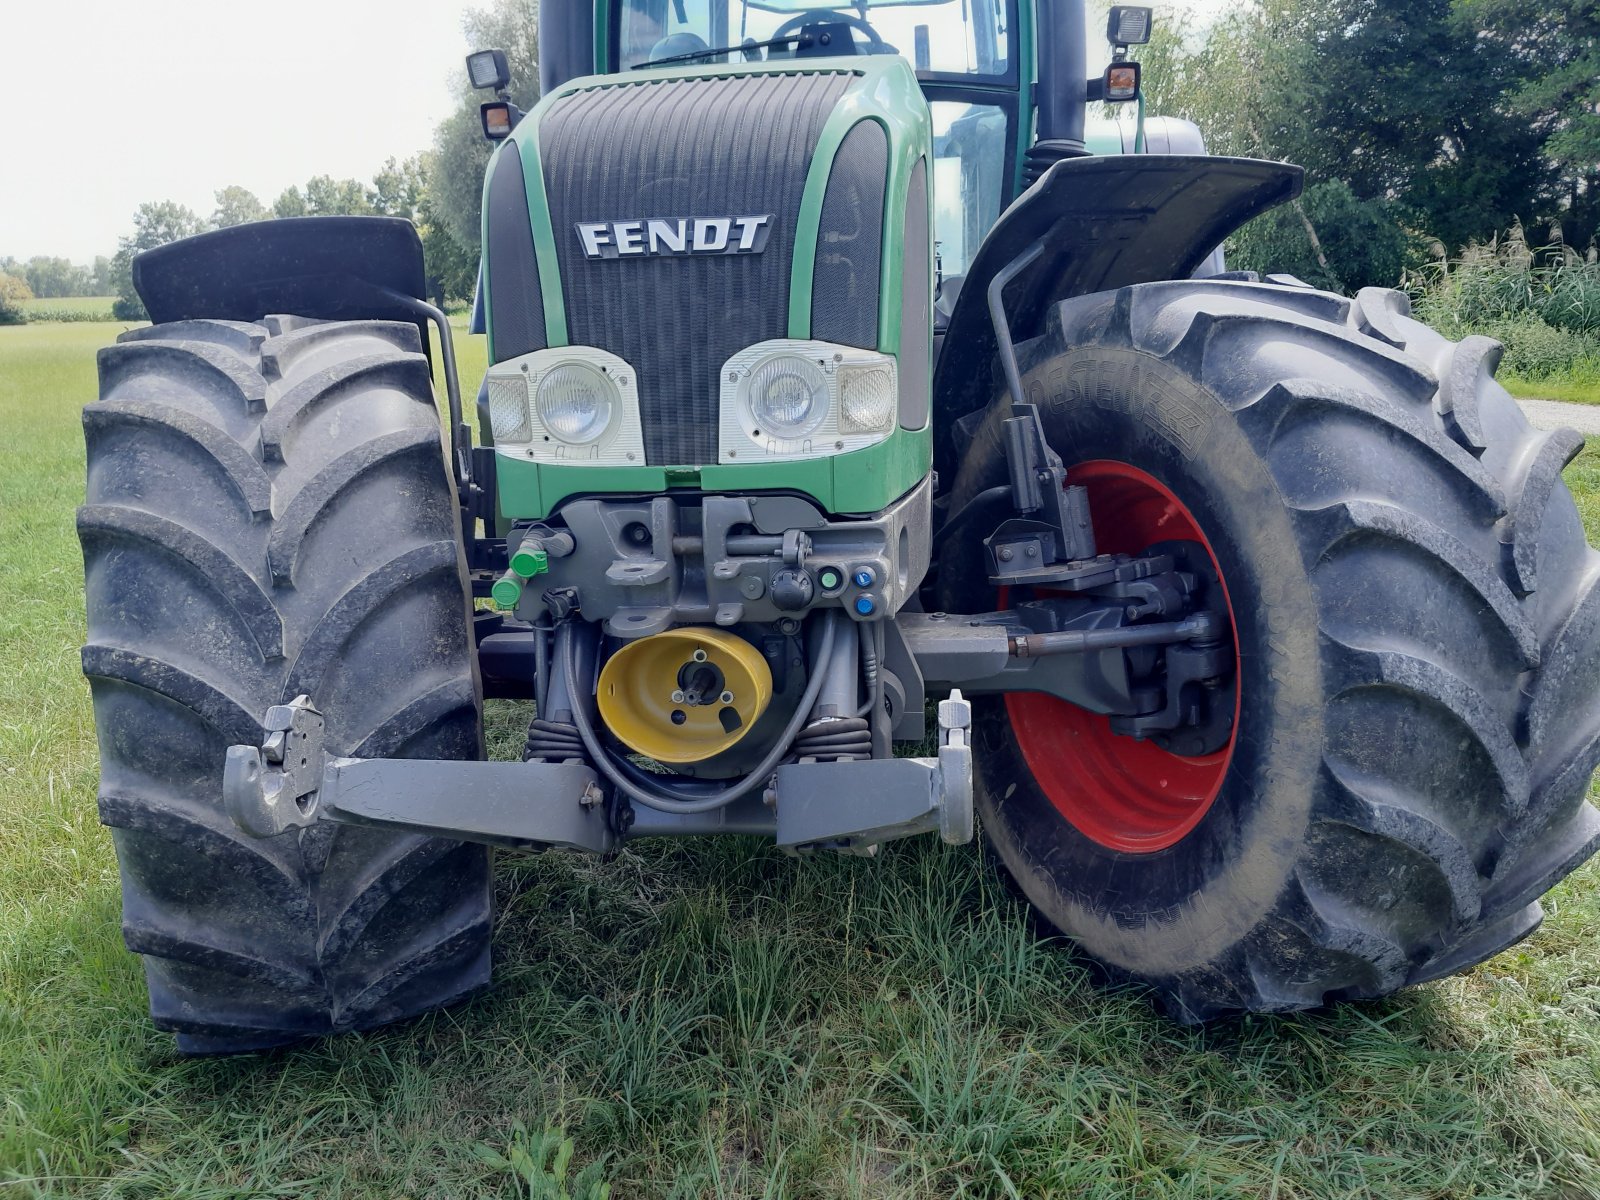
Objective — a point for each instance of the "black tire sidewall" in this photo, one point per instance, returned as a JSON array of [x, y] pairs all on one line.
[[1164, 913]]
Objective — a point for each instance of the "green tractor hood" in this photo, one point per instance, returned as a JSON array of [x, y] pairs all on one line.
[[674, 217]]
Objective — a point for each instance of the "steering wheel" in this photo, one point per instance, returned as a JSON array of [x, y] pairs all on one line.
[[828, 16]]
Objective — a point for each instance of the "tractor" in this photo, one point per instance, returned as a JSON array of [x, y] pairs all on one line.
[[853, 387]]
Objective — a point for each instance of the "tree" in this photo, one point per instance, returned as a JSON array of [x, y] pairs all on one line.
[[237, 206], [460, 153], [155, 224], [290, 203], [100, 280], [1360, 243], [14, 295], [1554, 48], [452, 268], [327, 196], [55, 277], [397, 188], [1350, 89]]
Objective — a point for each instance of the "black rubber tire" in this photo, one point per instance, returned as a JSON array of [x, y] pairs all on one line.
[[269, 513], [1419, 630]]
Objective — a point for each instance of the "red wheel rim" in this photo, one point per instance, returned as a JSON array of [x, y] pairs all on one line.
[[1123, 794]]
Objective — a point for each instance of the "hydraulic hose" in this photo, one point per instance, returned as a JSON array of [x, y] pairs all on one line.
[[653, 797], [871, 637], [970, 509]]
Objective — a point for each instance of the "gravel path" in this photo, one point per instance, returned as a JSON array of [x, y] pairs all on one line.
[[1553, 414]]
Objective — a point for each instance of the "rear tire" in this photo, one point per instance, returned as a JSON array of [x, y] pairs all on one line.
[[269, 513], [1418, 624]]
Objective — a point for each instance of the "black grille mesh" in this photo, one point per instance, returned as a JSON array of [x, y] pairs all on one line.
[[844, 289], [718, 147]]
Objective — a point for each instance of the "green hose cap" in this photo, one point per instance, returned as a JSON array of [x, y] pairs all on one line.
[[529, 561], [506, 592]]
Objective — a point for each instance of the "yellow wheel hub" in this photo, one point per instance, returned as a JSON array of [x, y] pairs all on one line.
[[685, 695]]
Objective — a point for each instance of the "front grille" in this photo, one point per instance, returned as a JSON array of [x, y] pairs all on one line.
[[844, 285], [671, 149]]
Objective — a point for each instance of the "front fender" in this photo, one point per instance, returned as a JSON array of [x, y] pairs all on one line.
[[1106, 222], [334, 268]]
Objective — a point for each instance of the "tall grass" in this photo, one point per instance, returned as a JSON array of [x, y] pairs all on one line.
[[1542, 303]]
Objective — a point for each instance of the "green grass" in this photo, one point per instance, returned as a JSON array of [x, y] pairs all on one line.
[[713, 1019], [1573, 390], [69, 308]]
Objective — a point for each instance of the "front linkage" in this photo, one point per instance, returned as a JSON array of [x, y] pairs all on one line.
[[846, 806], [1142, 639]]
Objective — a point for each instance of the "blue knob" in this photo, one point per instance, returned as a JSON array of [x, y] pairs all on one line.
[[863, 578], [866, 605]]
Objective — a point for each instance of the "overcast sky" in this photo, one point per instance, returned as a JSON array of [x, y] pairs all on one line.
[[107, 103]]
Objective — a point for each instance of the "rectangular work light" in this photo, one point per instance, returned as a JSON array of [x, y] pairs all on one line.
[[488, 69], [1129, 25]]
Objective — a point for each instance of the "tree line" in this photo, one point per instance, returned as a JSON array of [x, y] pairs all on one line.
[[50, 278], [1425, 126], [438, 190], [399, 189]]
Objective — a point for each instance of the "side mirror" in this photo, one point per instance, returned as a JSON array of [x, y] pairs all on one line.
[[488, 69]]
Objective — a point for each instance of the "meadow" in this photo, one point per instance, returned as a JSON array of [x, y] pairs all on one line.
[[714, 1019]]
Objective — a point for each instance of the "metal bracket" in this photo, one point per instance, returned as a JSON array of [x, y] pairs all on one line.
[[854, 806], [1054, 524], [290, 782], [273, 788], [955, 769]]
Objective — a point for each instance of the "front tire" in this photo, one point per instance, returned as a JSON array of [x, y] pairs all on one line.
[[1418, 637], [269, 513]]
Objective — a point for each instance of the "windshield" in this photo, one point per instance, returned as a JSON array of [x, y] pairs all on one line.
[[941, 37]]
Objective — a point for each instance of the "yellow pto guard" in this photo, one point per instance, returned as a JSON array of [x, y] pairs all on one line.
[[684, 695]]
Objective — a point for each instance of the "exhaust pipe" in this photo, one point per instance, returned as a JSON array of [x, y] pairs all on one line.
[[1063, 85]]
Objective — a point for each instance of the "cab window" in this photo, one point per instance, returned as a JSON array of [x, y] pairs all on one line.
[[939, 38]]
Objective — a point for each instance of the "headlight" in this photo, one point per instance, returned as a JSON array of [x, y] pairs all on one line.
[[576, 402], [791, 398], [508, 408], [867, 399], [788, 397], [566, 404]]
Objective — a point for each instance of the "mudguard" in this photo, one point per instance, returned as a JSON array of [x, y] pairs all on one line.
[[335, 268], [1105, 222]]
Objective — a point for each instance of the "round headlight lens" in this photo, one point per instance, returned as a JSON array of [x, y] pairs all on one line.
[[575, 402], [788, 396]]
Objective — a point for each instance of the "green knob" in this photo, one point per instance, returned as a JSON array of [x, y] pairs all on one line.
[[529, 561], [506, 592]]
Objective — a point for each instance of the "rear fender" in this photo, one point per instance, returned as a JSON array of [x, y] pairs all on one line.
[[1105, 222]]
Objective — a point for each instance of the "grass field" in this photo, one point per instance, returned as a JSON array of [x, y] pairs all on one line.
[[714, 1020], [1573, 391]]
